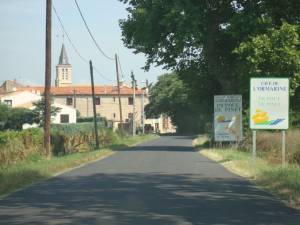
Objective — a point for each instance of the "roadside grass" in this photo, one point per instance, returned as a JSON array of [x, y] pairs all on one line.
[[36, 168], [281, 182]]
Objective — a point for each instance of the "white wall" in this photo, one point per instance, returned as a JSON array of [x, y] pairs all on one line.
[[64, 110], [20, 98]]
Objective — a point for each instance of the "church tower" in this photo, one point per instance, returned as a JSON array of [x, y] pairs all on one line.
[[63, 70]]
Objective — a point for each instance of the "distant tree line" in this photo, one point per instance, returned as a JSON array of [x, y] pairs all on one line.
[[213, 47]]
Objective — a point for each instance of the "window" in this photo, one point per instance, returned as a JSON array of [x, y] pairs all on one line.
[[114, 115], [114, 99], [130, 100], [130, 115], [8, 102], [69, 101], [64, 118], [97, 101]]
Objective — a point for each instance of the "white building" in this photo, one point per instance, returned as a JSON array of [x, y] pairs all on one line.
[[22, 99], [25, 99], [65, 115]]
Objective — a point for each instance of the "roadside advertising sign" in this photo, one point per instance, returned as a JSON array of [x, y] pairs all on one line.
[[269, 103], [228, 118]]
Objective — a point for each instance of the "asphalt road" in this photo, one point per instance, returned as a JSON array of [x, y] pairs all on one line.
[[162, 182]]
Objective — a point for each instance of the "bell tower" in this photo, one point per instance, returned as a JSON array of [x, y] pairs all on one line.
[[63, 70]]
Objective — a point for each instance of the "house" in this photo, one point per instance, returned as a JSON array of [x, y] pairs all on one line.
[[9, 86], [25, 99], [79, 97], [20, 98], [160, 125]]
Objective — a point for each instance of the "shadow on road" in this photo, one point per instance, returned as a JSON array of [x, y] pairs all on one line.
[[162, 148], [144, 199]]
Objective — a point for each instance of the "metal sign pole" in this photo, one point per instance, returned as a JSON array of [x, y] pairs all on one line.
[[254, 145], [283, 152]]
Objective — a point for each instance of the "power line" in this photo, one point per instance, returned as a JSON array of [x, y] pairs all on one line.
[[74, 47], [68, 37], [120, 67], [89, 31]]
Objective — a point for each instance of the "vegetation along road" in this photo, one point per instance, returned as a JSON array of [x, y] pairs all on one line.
[[160, 182]]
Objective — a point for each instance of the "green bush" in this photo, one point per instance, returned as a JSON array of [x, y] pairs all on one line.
[[16, 146], [72, 138]]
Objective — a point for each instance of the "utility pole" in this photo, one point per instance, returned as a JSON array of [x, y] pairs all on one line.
[[143, 113], [133, 111], [94, 105], [143, 105], [119, 92], [47, 92], [74, 98]]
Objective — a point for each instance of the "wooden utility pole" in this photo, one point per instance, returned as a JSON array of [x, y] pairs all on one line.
[[94, 105], [143, 112], [133, 110], [47, 92], [74, 98], [119, 91]]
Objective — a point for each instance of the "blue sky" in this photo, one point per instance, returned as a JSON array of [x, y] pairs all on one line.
[[22, 41]]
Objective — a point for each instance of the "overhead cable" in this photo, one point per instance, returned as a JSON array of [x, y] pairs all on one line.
[[74, 47], [90, 33]]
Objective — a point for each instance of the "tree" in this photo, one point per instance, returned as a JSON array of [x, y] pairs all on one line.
[[199, 40], [169, 96], [39, 111], [273, 54], [19, 116], [14, 118], [4, 112]]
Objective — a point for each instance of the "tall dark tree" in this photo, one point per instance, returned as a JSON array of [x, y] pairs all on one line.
[[170, 96], [205, 41]]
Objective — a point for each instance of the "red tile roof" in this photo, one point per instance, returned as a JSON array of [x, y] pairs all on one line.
[[83, 90]]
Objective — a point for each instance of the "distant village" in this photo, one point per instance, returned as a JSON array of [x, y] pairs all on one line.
[[75, 100]]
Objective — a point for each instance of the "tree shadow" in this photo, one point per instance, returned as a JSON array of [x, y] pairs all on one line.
[[144, 199]]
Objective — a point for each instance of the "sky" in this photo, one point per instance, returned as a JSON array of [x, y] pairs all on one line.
[[22, 41]]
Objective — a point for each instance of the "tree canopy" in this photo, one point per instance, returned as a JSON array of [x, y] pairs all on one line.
[[14, 118], [170, 96], [215, 46]]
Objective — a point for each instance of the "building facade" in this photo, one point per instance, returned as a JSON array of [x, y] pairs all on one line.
[[26, 99], [79, 98]]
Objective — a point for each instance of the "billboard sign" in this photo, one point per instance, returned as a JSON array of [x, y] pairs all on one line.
[[228, 118], [269, 103]]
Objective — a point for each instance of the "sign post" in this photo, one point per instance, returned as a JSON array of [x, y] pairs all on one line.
[[283, 148], [228, 118], [254, 145], [269, 107]]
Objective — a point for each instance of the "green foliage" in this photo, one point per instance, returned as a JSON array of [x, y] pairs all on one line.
[[101, 121], [39, 111], [4, 112], [216, 46], [17, 146], [19, 116], [14, 118], [170, 96], [273, 54], [70, 138]]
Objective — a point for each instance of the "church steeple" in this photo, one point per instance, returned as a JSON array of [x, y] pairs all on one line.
[[63, 58], [63, 70]]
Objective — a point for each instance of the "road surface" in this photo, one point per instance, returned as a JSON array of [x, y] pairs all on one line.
[[162, 182]]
